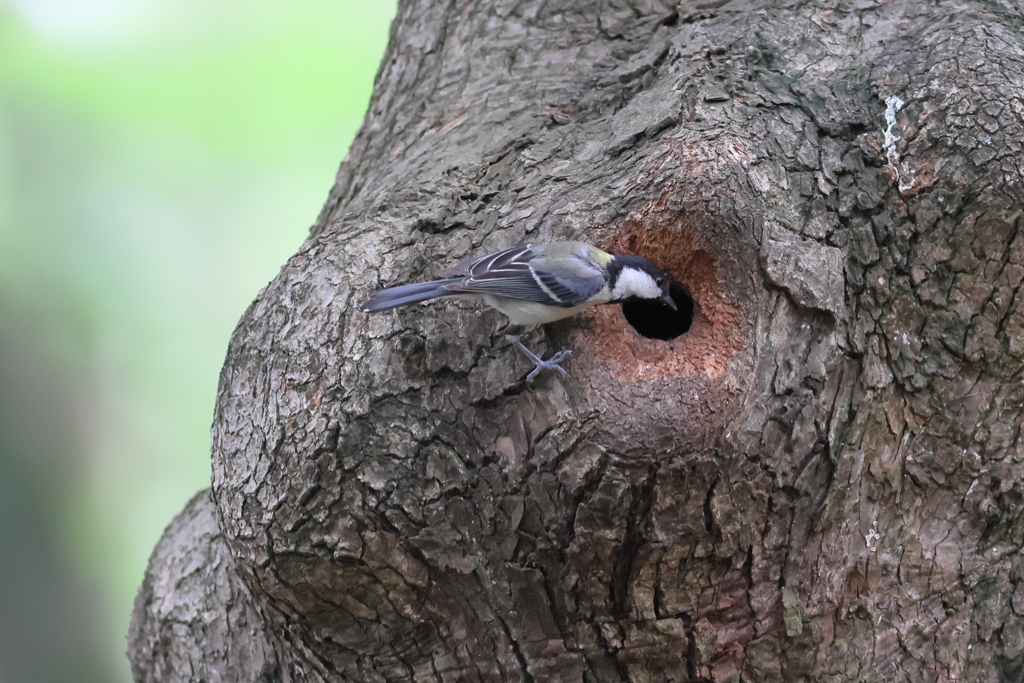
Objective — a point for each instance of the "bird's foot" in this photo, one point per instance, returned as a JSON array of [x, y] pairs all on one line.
[[539, 364]]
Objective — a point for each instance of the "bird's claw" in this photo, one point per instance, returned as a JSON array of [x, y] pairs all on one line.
[[539, 364], [549, 364]]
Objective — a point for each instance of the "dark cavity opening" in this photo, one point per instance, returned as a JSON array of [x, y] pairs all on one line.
[[655, 320]]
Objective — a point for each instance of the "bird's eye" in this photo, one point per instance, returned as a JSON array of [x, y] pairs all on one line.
[[660, 281]]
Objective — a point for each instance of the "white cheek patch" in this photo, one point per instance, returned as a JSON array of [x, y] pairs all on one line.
[[635, 283]]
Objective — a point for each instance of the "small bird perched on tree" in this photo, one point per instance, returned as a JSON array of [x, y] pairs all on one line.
[[535, 284]]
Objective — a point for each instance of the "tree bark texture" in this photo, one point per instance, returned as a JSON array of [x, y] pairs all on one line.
[[820, 481]]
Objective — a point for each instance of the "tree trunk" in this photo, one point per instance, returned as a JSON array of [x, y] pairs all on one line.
[[820, 480]]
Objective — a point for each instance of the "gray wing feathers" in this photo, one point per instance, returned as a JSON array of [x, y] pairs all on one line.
[[507, 273], [571, 291], [573, 280], [527, 273], [521, 274], [514, 258]]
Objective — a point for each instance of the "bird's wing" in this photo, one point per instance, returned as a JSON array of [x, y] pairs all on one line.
[[505, 273], [536, 273], [572, 279], [496, 261]]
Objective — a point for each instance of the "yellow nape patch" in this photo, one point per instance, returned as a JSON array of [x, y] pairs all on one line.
[[603, 258]]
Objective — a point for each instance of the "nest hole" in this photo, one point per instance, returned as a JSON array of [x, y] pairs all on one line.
[[649, 340], [654, 320]]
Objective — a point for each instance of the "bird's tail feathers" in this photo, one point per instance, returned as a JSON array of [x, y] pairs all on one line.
[[406, 294]]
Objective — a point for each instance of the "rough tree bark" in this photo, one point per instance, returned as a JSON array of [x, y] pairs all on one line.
[[820, 481]]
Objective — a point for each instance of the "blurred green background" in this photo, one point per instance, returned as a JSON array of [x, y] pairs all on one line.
[[159, 161]]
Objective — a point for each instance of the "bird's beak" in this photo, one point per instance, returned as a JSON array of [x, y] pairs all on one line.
[[667, 299]]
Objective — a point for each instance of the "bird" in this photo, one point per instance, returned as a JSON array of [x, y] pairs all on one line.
[[538, 283]]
